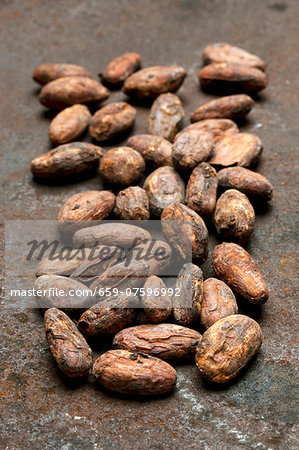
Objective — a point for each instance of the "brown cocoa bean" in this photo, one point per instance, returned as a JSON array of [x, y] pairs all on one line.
[[68, 346], [231, 107], [120, 68], [132, 204], [218, 302], [166, 116], [227, 346], [153, 81], [245, 180], [154, 149], [164, 186], [166, 341], [233, 265], [131, 373], [191, 147], [112, 121], [69, 124], [231, 78], [156, 301], [218, 128], [67, 91], [67, 160], [122, 165], [201, 191], [176, 220], [189, 286], [45, 73], [222, 52], [57, 265], [155, 252], [80, 210], [234, 216], [242, 149]]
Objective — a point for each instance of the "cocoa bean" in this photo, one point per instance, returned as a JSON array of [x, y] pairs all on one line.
[[242, 149], [122, 165], [218, 128], [201, 191], [231, 107], [222, 52], [132, 204], [120, 68], [156, 301], [69, 124], [45, 73], [166, 116], [154, 149]]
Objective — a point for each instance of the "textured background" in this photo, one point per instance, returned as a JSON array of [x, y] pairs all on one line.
[[38, 407]]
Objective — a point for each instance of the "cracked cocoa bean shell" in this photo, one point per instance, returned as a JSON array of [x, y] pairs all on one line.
[[201, 191], [166, 341], [233, 265], [166, 116], [122, 165], [156, 302], [242, 149], [223, 52], [132, 373], [69, 124], [132, 204], [154, 149], [120, 68], [230, 107], [68, 346], [112, 121], [45, 73], [227, 346]]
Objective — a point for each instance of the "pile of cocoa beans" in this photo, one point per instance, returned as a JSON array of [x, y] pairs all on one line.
[[187, 170]]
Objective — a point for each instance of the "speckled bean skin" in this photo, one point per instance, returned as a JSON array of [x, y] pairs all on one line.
[[68, 346], [166, 116], [233, 265], [157, 308], [201, 191], [132, 204], [131, 373], [45, 73], [120, 68], [223, 52], [227, 346], [69, 124], [230, 107], [242, 149], [154, 149], [122, 165]]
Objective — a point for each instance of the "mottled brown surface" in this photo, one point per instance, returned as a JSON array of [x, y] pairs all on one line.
[[165, 340], [45, 73], [129, 373], [69, 124], [189, 284], [153, 81], [166, 116], [201, 191], [179, 236], [157, 254], [163, 187], [230, 107], [112, 121], [68, 346], [120, 68], [156, 302], [233, 265], [231, 78], [154, 149], [243, 149], [225, 52], [67, 160], [67, 91], [49, 265], [227, 346], [132, 204], [234, 216], [122, 165], [250, 183], [84, 207], [218, 302], [218, 128]]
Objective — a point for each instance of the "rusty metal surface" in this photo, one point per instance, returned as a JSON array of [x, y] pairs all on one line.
[[38, 407]]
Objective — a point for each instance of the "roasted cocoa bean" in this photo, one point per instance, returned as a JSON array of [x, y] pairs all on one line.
[[120, 68], [222, 52], [67, 160], [154, 149], [153, 81], [176, 220], [245, 180], [57, 265], [233, 265], [231, 78], [166, 341], [164, 186], [227, 346], [155, 252], [122, 165], [218, 128], [69, 124], [67, 91], [218, 302], [201, 191], [156, 301], [131, 373], [242, 149], [231, 107], [189, 285], [166, 116], [45, 73], [68, 346], [112, 121], [132, 204]]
